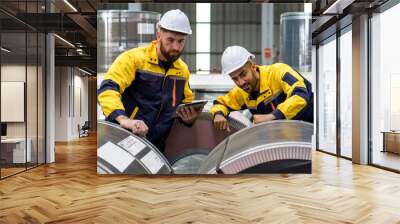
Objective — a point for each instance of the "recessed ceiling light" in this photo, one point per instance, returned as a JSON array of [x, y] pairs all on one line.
[[65, 41], [84, 71], [5, 50], [70, 5]]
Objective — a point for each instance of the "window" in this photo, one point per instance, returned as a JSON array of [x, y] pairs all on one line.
[[346, 93], [327, 96], [385, 86], [203, 17]]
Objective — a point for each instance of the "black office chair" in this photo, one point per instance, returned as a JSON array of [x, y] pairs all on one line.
[[84, 130]]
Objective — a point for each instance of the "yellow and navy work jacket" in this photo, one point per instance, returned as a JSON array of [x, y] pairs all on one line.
[[137, 86], [283, 92]]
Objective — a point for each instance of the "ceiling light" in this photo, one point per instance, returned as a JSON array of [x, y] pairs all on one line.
[[70, 5], [5, 50], [65, 41], [337, 7], [84, 71]]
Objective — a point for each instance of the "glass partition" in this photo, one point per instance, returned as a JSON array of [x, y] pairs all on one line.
[[327, 96], [346, 94], [22, 87], [13, 95], [385, 89]]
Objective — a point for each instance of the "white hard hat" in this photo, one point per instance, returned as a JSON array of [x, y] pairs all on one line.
[[175, 20], [233, 58]]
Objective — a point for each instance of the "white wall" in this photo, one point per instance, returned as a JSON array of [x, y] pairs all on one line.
[[80, 98], [71, 102], [14, 73], [61, 103], [33, 125]]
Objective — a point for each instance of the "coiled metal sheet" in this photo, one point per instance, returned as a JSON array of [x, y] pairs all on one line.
[[273, 141], [278, 146], [121, 152]]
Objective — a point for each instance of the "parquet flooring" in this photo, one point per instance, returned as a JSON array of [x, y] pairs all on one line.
[[70, 191], [9, 171], [387, 159]]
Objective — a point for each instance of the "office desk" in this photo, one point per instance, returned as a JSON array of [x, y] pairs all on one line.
[[13, 150], [391, 141]]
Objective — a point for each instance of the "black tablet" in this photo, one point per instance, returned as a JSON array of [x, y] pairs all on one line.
[[196, 104]]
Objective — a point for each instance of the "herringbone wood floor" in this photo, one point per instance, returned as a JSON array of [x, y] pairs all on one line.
[[70, 191]]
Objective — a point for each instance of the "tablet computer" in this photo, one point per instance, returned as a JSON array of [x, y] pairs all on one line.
[[196, 104]]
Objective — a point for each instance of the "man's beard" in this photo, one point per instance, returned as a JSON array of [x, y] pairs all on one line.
[[167, 56], [253, 84]]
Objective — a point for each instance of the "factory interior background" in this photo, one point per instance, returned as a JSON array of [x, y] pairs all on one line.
[[52, 62], [283, 30]]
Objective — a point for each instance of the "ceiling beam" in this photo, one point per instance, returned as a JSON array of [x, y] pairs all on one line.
[[86, 26], [337, 7], [81, 61]]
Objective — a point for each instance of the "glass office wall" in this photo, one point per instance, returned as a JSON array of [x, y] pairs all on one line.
[[22, 90], [385, 89], [34, 89], [13, 87], [31, 96], [346, 92], [327, 96]]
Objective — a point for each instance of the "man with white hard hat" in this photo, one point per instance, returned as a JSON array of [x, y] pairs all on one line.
[[270, 92], [143, 87]]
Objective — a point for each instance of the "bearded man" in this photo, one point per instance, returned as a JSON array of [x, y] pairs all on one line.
[[144, 85]]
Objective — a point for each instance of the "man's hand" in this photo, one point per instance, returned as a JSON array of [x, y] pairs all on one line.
[[221, 123], [259, 118], [136, 126], [189, 114]]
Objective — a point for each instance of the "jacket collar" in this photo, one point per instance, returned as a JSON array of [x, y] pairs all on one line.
[[152, 57], [263, 81]]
